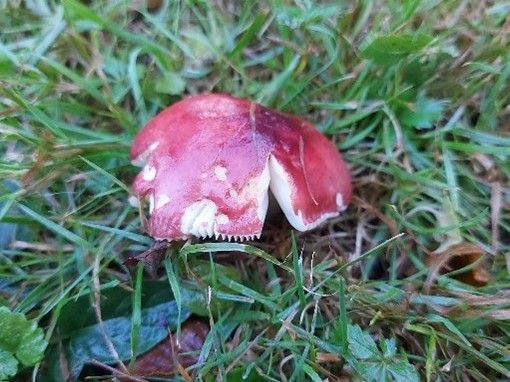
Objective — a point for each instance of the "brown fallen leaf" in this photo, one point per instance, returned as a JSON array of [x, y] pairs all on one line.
[[456, 257], [152, 258], [169, 357]]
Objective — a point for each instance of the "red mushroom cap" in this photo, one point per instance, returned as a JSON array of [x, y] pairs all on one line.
[[209, 160]]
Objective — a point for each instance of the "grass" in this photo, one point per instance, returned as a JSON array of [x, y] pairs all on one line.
[[414, 93]]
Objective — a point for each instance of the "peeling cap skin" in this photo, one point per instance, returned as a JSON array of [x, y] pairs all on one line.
[[210, 160]]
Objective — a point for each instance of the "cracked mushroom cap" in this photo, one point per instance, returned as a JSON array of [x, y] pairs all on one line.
[[209, 161]]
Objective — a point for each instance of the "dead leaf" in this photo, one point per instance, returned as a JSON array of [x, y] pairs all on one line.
[[151, 258], [168, 357], [456, 257]]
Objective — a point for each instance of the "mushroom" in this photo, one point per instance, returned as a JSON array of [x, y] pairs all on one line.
[[209, 161]]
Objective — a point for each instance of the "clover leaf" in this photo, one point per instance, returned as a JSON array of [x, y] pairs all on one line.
[[21, 342], [374, 363]]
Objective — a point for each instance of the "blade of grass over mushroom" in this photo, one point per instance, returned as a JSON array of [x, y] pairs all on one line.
[[227, 247]]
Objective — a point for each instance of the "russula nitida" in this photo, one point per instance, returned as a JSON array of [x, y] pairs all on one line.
[[210, 160]]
